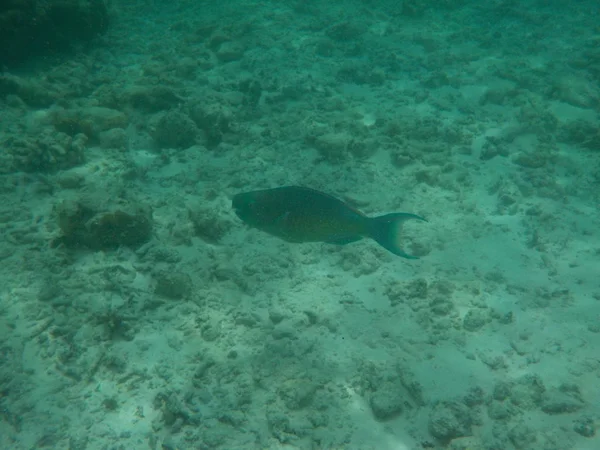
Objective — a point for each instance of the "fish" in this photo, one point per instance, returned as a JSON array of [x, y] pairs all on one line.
[[299, 214]]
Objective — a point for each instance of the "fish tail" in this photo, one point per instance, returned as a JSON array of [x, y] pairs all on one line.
[[385, 230]]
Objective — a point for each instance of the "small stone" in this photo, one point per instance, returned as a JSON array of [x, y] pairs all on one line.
[[283, 331], [333, 146], [522, 436], [466, 443], [386, 404], [441, 306], [114, 138], [276, 316], [82, 226], [500, 410], [475, 396], [528, 391], [501, 390], [230, 51], [70, 180], [450, 420], [119, 228], [298, 393], [173, 285], [175, 130], [475, 319], [585, 427], [557, 402], [110, 403]]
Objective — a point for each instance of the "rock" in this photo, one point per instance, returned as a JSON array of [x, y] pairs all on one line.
[[83, 226], [501, 410], [104, 119], [27, 91], [298, 393], [475, 396], [119, 228], [522, 437], [580, 132], [70, 180], [502, 390], [527, 392], [276, 316], [450, 420], [475, 319], [230, 51], [212, 117], [333, 146], [114, 138], [175, 130], [577, 91], [283, 331], [386, 404], [585, 426], [408, 292], [209, 225], [555, 401], [441, 306], [345, 31], [152, 98], [173, 285], [90, 120], [45, 152], [466, 443], [494, 362]]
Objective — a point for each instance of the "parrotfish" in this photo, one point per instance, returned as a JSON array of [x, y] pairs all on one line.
[[300, 214]]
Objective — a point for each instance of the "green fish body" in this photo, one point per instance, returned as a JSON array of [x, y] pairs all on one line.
[[299, 214]]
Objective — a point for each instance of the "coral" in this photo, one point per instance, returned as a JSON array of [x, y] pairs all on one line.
[[114, 138], [450, 420], [72, 124], [583, 133], [90, 121], [82, 226], [175, 130], [475, 319], [207, 222], [298, 393], [116, 228], [31, 92], [387, 402], [566, 399], [345, 31], [146, 98], [230, 51], [48, 152], [173, 285], [212, 117], [115, 326], [585, 427], [332, 147]]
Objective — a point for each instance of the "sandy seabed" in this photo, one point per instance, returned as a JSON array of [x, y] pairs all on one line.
[[138, 312]]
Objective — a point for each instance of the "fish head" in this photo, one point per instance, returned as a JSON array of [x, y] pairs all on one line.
[[247, 207], [242, 205]]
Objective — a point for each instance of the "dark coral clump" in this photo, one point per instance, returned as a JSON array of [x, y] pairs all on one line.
[[118, 228], [38, 27], [82, 226]]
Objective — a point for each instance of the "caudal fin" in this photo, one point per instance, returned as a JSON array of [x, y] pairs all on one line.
[[386, 231]]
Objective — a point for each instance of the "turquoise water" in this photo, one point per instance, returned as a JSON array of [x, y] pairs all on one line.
[[137, 311]]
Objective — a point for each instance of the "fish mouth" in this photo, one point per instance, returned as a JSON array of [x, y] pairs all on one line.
[[238, 207]]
